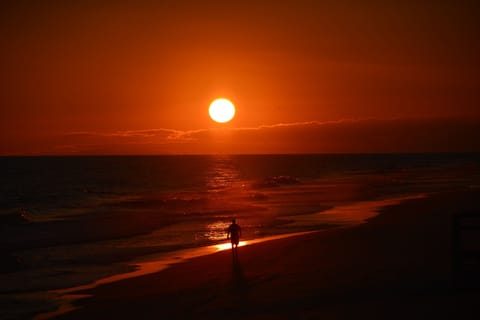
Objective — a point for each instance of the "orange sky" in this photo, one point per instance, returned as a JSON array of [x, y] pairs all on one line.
[[136, 77]]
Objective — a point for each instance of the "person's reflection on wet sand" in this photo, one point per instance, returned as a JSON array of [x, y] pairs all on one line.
[[239, 282]]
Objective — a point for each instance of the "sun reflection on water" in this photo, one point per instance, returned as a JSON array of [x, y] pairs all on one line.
[[215, 231], [222, 173], [226, 246]]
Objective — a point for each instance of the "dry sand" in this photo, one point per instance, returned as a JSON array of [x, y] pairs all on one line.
[[396, 266]]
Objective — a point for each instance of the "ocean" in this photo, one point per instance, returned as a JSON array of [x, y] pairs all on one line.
[[68, 221]]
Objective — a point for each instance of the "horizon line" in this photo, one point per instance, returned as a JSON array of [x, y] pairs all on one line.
[[235, 154]]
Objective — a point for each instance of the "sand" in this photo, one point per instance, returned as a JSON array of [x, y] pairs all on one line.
[[398, 265]]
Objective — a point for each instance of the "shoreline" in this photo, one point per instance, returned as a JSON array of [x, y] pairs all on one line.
[[65, 299], [400, 260]]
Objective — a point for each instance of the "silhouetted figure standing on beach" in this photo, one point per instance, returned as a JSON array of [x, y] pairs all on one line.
[[233, 233]]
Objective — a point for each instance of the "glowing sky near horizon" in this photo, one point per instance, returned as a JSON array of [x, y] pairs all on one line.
[[137, 77]]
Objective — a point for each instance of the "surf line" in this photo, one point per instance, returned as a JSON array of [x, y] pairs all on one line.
[[363, 210], [64, 298]]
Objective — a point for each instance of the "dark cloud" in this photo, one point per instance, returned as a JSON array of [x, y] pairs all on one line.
[[344, 136]]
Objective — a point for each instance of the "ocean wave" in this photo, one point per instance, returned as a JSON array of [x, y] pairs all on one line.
[[258, 196], [276, 181], [162, 202]]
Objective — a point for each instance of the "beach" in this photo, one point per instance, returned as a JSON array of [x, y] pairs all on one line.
[[397, 265], [342, 136], [148, 237]]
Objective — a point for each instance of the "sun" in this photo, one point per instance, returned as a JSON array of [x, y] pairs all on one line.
[[221, 110]]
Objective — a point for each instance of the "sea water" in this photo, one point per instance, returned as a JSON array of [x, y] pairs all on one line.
[[67, 221]]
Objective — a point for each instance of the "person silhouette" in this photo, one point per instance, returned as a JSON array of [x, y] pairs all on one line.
[[233, 233]]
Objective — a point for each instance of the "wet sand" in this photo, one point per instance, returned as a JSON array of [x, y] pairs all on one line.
[[398, 265]]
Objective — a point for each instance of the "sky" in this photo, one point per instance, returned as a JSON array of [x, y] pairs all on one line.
[[137, 77]]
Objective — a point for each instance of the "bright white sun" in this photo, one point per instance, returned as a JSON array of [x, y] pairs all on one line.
[[221, 110]]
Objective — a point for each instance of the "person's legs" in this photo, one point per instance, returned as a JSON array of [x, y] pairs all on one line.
[[235, 252], [234, 248]]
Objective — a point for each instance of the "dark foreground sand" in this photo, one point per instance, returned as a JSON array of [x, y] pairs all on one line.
[[396, 266]]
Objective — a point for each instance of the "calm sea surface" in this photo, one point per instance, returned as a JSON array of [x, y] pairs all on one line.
[[69, 220]]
